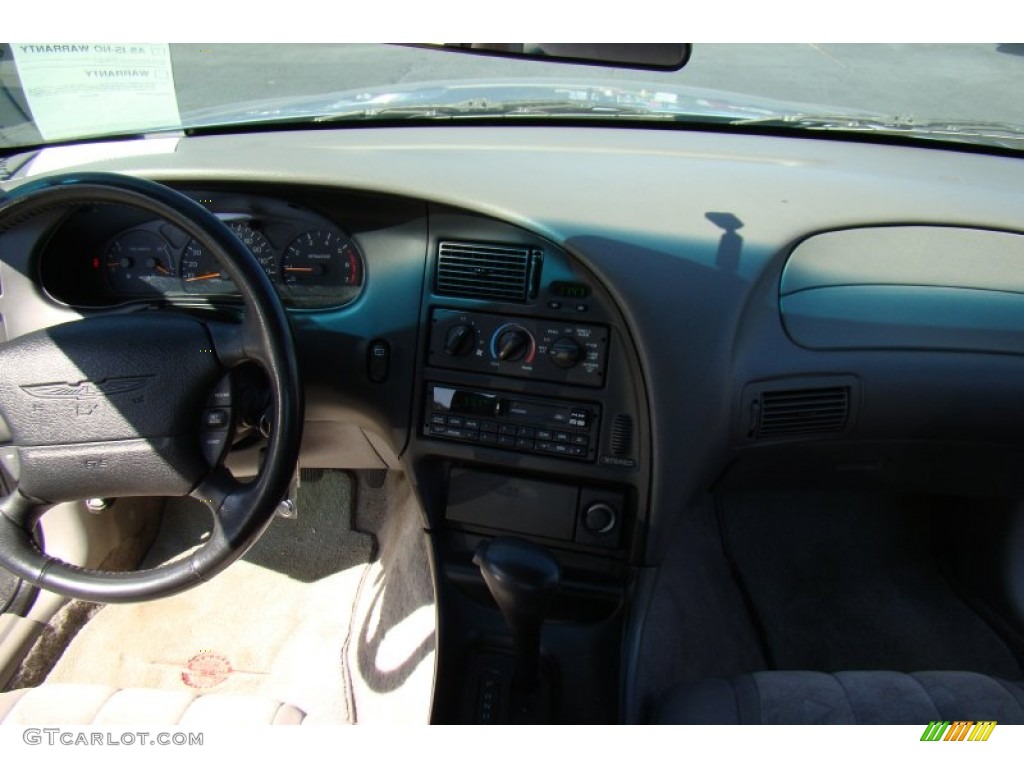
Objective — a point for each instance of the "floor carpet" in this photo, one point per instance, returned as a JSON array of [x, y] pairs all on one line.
[[275, 623]]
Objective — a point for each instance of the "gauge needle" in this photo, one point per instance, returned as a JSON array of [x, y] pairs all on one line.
[[162, 269], [298, 269], [208, 276]]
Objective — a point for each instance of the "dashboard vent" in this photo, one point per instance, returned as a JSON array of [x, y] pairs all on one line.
[[794, 412], [480, 271], [622, 435]]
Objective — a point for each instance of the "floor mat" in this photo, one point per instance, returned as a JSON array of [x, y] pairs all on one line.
[[274, 623], [845, 581], [9, 584]]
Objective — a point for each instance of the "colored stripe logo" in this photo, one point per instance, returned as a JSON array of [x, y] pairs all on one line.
[[958, 730]]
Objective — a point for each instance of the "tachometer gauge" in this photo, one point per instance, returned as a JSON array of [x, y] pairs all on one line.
[[140, 262], [321, 259]]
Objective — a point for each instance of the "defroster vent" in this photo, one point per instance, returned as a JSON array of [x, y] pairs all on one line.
[[482, 271]]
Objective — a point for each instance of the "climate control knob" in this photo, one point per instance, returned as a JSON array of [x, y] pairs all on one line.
[[512, 344], [565, 352], [460, 341]]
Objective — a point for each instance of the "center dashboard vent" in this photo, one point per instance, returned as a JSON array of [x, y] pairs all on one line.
[[483, 271], [810, 411]]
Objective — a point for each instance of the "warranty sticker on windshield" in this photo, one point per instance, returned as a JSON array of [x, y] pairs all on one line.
[[111, 87]]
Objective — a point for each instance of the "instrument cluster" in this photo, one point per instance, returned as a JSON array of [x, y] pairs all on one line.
[[105, 256]]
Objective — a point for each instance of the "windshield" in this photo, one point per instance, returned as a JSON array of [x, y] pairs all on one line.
[[71, 91]]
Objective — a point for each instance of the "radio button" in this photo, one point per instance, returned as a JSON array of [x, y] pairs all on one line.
[[524, 443], [489, 426], [525, 432], [472, 424], [488, 437], [438, 419], [454, 421], [507, 429], [545, 434], [506, 441], [580, 440], [561, 437], [546, 447], [577, 450]]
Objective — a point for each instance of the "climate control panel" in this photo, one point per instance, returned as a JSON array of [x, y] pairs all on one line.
[[560, 351]]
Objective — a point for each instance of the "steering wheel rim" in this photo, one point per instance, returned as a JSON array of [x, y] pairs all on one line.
[[202, 351]]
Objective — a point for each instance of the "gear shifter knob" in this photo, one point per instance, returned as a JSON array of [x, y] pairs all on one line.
[[522, 578]]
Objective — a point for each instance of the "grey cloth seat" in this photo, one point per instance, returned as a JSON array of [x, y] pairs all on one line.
[[864, 697], [73, 704]]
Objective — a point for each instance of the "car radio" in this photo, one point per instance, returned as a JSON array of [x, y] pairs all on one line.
[[512, 422]]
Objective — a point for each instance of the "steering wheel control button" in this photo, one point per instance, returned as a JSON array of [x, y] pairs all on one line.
[[216, 427], [214, 444], [221, 395], [560, 351], [216, 418]]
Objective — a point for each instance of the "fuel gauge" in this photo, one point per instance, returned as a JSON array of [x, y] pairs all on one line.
[[140, 262]]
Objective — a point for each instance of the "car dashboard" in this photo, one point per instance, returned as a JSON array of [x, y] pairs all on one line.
[[570, 334]]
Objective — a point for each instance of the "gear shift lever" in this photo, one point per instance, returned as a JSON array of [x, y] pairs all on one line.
[[522, 578]]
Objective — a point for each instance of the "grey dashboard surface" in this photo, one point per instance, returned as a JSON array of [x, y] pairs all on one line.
[[688, 231]]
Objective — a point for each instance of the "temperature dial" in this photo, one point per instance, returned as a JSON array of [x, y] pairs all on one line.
[[513, 343]]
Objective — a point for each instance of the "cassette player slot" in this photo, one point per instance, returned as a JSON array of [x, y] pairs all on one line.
[[512, 422]]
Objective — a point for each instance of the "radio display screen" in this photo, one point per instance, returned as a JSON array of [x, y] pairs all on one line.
[[465, 402]]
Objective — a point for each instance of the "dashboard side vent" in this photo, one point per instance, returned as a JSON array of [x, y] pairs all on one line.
[[621, 443], [482, 271], [798, 412]]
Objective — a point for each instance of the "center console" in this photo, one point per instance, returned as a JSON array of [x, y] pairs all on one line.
[[531, 426]]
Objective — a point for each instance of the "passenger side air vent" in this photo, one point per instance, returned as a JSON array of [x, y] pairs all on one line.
[[481, 271], [775, 412]]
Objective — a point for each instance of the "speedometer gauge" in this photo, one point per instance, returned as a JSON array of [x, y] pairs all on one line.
[[321, 259], [201, 273]]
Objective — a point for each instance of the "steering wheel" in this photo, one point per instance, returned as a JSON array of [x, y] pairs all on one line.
[[135, 404]]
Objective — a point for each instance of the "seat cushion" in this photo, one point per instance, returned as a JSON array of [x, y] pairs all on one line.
[[865, 697], [71, 704]]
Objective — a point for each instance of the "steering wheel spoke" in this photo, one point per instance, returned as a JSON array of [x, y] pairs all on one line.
[[22, 510], [234, 343]]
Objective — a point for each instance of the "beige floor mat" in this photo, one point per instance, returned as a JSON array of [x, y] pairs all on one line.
[[274, 623], [391, 650]]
